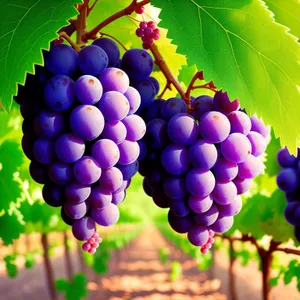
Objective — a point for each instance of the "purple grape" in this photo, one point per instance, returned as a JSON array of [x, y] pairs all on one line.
[[287, 179], [222, 224], [77, 192], [223, 104], [110, 48], [179, 208], [48, 124], [200, 205], [87, 170], [242, 185], [231, 209], [43, 151], [111, 179], [106, 153], [114, 106], [258, 143], [239, 122], [156, 134], [135, 127], [69, 148], [292, 213], [250, 168], [83, 229], [153, 110], [60, 173], [134, 99], [38, 172], [143, 149], [75, 211], [285, 159], [87, 122], [27, 143], [114, 79], [129, 152], [30, 107], [59, 93], [259, 126], [203, 155], [118, 198], [53, 195], [202, 105], [128, 171], [225, 170], [160, 198], [88, 89], [172, 107], [214, 127], [61, 59], [180, 225], [137, 63], [200, 183], [147, 188], [147, 91], [92, 60], [198, 235], [155, 83], [115, 131], [236, 148], [207, 218], [224, 193], [183, 130], [155, 176], [107, 216], [293, 196], [65, 218], [99, 197], [174, 187]]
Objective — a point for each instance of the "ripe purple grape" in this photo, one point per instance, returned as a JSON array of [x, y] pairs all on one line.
[[60, 173], [180, 225], [174, 187], [118, 198], [202, 105], [87, 170], [285, 159], [43, 151], [77, 192], [83, 228], [288, 179], [134, 99], [87, 122], [207, 218], [231, 209], [179, 207], [88, 89], [258, 143], [239, 122], [250, 168], [129, 152], [135, 127], [200, 205], [115, 131], [69, 148], [99, 197], [242, 185], [171, 107], [224, 193], [107, 216], [214, 127], [75, 210], [114, 79], [53, 195], [222, 224], [114, 106], [198, 235], [111, 179], [225, 170]]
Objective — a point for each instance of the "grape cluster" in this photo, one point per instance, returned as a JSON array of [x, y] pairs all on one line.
[[148, 32], [198, 164], [81, 131], [288, 180], [92, 243]]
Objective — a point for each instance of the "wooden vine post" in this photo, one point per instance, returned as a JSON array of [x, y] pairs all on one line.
[[48, 267]]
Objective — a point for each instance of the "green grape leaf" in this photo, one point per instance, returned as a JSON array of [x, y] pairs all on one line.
[[240, 47], [61, 285], [273, 281], [11, 158], [11, 226], [29, 260], [286, 13], [25, 29], [272, 167]]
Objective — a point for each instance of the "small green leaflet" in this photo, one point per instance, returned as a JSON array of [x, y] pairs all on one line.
[[286, 12], [245, 52], [26, 27]]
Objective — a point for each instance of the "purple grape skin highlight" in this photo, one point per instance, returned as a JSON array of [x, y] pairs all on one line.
[[87, 170]]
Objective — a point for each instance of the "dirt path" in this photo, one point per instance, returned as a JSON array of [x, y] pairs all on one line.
[[136, 273]]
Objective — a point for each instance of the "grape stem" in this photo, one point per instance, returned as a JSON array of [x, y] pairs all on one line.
[[112, 37], [199, 75], [81, 22], [91, 35], [161, 63], [64, 35]]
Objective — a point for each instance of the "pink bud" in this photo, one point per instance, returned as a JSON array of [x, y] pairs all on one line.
[[91, 240], [92, 250]]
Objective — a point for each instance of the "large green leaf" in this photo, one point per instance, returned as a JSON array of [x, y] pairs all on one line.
[[26, 27], [245, 52], [286, 12]]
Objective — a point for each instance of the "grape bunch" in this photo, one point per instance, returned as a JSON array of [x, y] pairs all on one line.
[[148, 32], [288, 180], [198, 163], [81, 132]]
